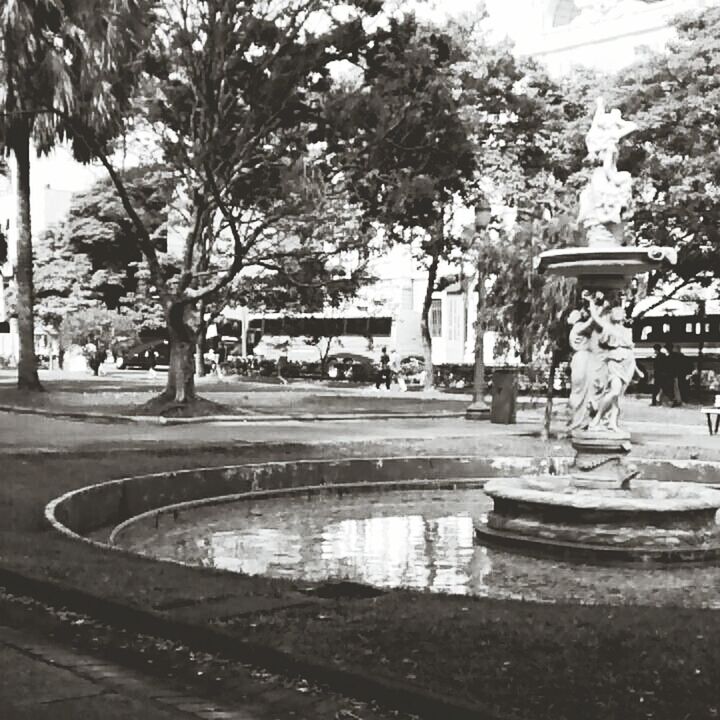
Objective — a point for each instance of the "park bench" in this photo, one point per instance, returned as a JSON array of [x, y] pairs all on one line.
[[709, 412]]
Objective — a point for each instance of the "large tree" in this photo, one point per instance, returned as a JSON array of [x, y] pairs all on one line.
[[238, 94], [59, 58]]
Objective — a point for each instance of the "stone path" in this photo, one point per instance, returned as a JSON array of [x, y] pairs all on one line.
[[40, 680], [34, 433]]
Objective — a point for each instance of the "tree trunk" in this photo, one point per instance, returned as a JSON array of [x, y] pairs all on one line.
[[547, 420], [27, 364], [324, 358], [180, 388], [425, 321]]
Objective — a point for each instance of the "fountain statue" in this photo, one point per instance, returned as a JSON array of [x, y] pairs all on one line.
[[610, 190], [600, 505], [603, 364]]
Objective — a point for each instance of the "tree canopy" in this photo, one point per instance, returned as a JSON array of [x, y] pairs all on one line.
[[94, 259], [674, 97]]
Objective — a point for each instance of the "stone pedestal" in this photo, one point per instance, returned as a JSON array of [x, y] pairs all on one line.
[[601, 460]]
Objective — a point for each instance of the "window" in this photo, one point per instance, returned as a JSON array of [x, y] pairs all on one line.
[[567, 10], [455, 318], [436, 318], [565, 13]]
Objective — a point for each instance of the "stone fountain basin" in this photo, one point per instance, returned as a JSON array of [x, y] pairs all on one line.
[[606, 262], [557, 491], [651, 521]]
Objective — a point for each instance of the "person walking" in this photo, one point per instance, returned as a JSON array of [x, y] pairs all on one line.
[[384, 374], [396, 370], [675, 365], [660, 375], [685, 367]]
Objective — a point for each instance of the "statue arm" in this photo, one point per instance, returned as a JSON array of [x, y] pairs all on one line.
[[595, 315]]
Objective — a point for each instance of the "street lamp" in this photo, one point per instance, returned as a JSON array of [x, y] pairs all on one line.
[[478, 409]]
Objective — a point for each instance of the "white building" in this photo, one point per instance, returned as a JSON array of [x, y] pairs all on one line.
[[596, 33]]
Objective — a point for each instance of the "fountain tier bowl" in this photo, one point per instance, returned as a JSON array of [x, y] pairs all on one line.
[[603, 266], [650, 522]]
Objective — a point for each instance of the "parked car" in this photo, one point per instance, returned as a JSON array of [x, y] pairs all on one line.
[[350, 367], [144, 356]]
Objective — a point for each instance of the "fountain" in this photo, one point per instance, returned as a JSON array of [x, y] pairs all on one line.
[[601, 509]]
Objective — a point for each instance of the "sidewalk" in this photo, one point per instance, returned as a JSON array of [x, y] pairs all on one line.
[[40, 681], [661, 433], [43, 680]]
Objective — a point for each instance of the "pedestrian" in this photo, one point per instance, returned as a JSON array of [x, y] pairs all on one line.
[[384, 374], [660, 374], [396, 370], [675, 364], [101, 358], [685, 368], [92, 355]]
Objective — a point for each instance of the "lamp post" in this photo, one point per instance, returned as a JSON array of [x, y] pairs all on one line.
[[479, 409]]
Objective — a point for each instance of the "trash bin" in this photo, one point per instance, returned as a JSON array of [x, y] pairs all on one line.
[[504, 395]]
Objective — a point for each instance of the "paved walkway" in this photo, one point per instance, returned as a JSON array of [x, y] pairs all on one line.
[[41, 680], [21, 432], [34, 433]]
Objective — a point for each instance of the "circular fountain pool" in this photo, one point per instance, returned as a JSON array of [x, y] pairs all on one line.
[[413, 538]]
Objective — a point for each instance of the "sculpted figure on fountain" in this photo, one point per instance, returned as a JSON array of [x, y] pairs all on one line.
[[609, 191], [618, 364], [583, 369], [602, 367]]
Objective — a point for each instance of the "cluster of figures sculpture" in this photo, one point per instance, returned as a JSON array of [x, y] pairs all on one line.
[[610, 190], [603, 364]]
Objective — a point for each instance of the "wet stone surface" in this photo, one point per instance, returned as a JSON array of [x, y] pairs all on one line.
[[420, 539]]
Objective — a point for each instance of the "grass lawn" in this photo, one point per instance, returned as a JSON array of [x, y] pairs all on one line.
[[524, 660], [521, 660], [122, 394]]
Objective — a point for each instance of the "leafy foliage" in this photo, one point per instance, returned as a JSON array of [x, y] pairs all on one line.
[[408, 149], [94, 258], [69, 63], [97, 325], [542, 184], [674, 96]]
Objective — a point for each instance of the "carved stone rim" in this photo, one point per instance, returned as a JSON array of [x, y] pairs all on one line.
[[559, 492], [607, 261]]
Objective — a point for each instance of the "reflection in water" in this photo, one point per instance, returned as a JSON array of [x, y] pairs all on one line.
[[420, 539]]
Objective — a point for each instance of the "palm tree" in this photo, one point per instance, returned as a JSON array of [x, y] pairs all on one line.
[[63, 64]]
